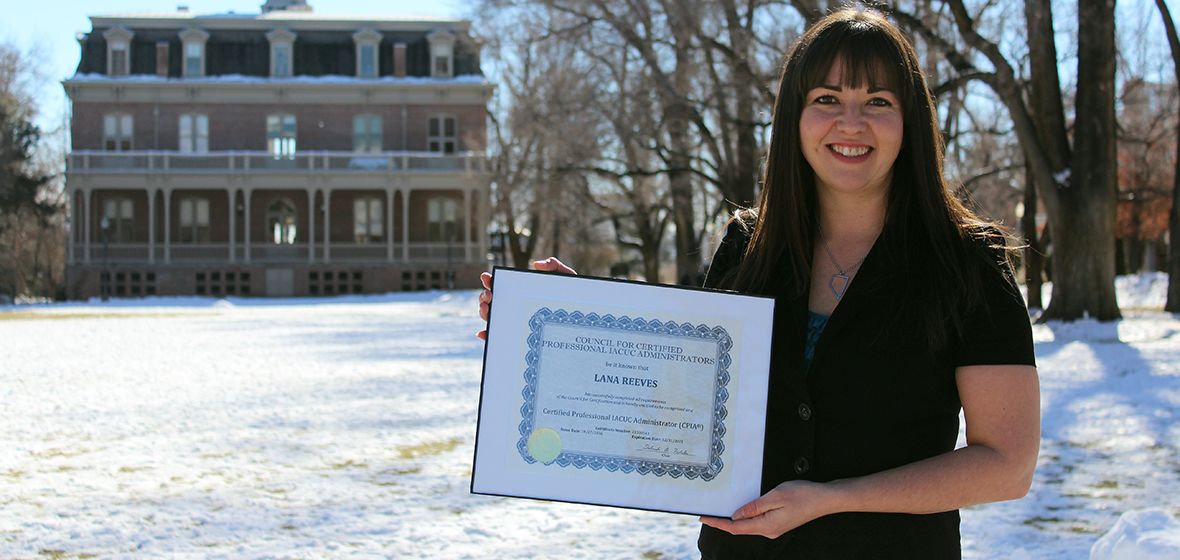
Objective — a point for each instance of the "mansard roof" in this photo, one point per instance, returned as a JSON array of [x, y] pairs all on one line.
[[238, 45], [296, 20]]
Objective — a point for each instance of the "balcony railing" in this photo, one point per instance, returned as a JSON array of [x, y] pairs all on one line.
[[341, 252], [100, 161]]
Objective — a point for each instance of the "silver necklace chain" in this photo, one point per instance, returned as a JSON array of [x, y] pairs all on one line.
[[839, 282]]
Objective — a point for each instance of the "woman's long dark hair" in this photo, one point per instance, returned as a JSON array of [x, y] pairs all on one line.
[[925, 224]]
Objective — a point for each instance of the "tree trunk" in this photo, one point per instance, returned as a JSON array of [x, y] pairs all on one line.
[[745, 175], [1033, 257], [679, 117], [1083, 230], [1047, 111], [651, 263], [1173, 303], [1048, 116]]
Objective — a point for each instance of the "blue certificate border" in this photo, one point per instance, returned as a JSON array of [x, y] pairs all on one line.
[[616, 464]]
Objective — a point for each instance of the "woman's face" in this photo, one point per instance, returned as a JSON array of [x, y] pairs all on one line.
[[851, 137]]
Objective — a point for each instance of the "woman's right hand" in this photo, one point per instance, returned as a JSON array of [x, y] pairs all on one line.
[[550, 264]]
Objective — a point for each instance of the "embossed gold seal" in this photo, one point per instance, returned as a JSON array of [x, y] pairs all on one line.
[[544, 445]]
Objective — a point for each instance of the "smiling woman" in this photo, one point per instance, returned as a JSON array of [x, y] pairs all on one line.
[[895, 310], [898, 309]]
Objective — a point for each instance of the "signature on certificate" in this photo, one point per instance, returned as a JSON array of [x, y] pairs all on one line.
[[666, 451]]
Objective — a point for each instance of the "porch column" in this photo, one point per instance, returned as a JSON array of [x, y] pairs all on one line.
[[467, 213], [232, 195], [152, 225], [327, 225], [246, 223], [405, 224], [311, 226], [88, 199], [167, 225], [481, 229], [74, 231], [389, 225]]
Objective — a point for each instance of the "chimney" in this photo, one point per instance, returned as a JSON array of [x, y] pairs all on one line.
[[182, 8], [285, 6], [399, 60]]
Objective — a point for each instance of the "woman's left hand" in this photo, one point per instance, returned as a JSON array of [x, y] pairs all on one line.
[[788, 506]]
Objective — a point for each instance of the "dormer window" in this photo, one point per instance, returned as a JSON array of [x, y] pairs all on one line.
[[367, 42], [118, 50], [442, 54], [282, 61], [194, 52], [282, 50]]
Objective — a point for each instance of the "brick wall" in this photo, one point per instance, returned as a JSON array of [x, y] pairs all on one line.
[[243, 126]]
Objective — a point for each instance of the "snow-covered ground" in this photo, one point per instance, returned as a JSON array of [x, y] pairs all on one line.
[[344, 427]]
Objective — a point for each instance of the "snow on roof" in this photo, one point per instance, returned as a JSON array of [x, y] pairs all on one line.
[[465, 79], [272, 16]]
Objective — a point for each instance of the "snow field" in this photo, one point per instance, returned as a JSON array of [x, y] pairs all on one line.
[[345, 428]]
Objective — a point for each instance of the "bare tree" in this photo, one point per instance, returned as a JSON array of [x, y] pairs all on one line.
[[1077, 184], [709, 68], [1173, 303], [540, 130], [636, 188]]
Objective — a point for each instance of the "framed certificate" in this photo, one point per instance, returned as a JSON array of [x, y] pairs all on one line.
[[620, 393]]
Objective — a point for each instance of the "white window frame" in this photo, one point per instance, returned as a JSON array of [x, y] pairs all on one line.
[[193, 39], [442, 49], [367, 40], [368, 219], [367, 138], [194, 220], [437, 140], [193, 130], [120, 214], [281, 133], [282, 39], [118, 129], [442, 211], [118, 39]]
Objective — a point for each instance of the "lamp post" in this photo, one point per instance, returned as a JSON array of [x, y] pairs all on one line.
[[105, 277]]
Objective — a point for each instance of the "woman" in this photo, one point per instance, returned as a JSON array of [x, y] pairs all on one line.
[[896, 309]]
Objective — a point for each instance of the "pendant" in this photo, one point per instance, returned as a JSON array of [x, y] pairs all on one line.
[[838, 284]]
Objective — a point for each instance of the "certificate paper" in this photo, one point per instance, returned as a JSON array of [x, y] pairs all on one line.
[[621, 393]]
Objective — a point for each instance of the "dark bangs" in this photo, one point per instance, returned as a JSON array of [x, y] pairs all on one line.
[[868, 57]]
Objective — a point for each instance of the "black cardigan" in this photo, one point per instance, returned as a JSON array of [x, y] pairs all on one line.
[[876, 397]]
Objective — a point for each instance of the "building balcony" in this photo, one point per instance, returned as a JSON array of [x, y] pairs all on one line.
[[269, 253], [262, 163]]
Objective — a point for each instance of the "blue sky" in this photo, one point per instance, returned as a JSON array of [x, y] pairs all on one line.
[[46, 29]]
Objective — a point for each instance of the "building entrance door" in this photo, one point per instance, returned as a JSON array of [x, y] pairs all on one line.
[[280, 282]]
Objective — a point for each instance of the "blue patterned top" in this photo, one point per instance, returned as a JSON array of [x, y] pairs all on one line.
[[815, 327]]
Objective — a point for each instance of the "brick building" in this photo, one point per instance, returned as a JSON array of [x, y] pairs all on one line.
[[281, 153]]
